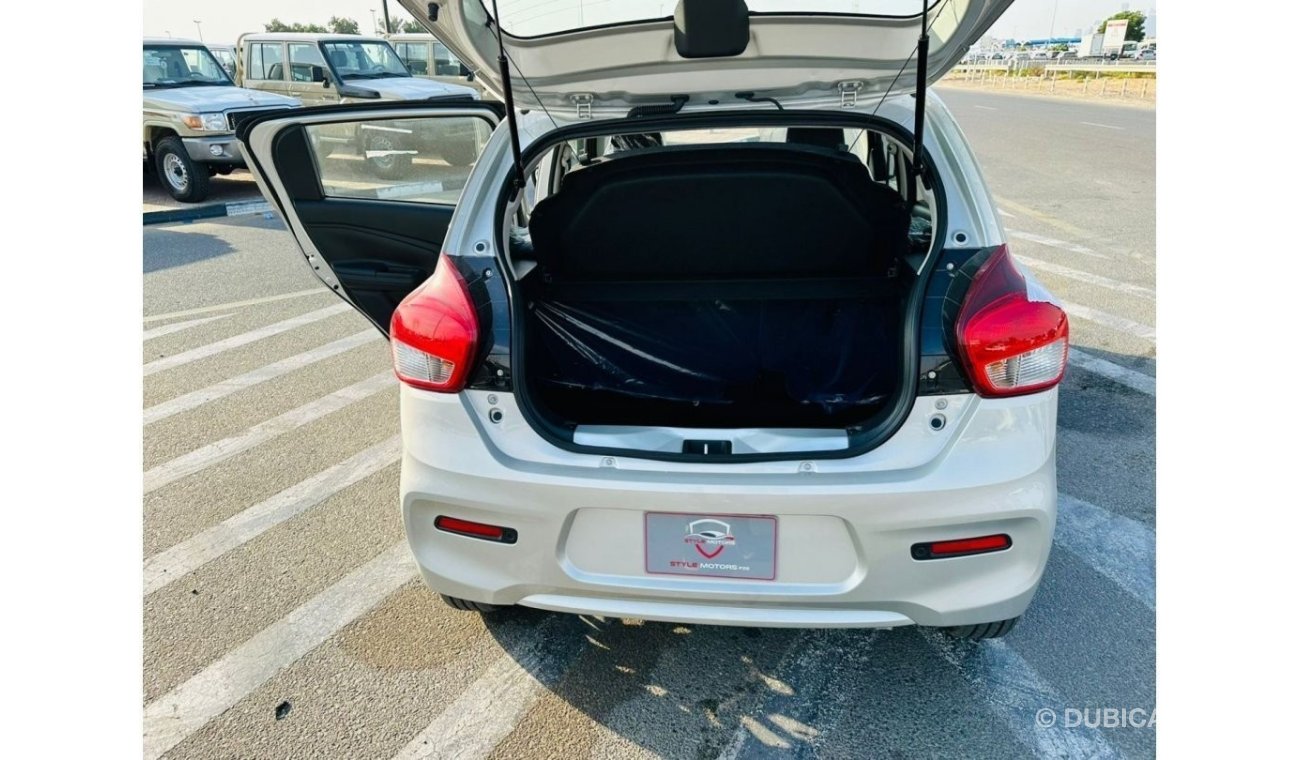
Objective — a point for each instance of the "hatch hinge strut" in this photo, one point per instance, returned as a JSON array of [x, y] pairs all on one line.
[[504, 66], [849, 93], [922, 58]]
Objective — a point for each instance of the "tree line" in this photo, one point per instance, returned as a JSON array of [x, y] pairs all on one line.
[[341, 25]]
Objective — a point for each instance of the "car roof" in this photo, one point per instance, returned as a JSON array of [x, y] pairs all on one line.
[[174, 41], [310, 37]]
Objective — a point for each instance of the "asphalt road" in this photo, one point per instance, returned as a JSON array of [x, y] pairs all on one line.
[[283, 619]]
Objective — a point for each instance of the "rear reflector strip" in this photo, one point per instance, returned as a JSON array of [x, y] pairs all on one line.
[[475, 530], [962, 547]]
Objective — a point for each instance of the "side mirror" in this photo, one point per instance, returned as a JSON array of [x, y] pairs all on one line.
[[318, 74], [469, 75]]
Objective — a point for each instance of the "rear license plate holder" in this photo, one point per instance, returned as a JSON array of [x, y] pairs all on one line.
[[711, 545]]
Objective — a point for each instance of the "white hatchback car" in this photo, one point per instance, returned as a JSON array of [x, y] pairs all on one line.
[[723, 350]]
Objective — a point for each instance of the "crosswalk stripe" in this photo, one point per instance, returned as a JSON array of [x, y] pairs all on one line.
[[1110, 370], [206, 456], [171, 718], [260, 375], [1121, 324], [243, 339], [191, 554], [235, 304], [1016, 693], [490, 708], [1088, 277], [175, 327], [1118, 547]]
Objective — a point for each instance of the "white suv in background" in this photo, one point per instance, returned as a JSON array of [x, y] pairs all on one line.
[[726, 349]]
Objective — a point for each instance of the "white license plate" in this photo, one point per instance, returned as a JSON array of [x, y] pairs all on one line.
[[711, 546]]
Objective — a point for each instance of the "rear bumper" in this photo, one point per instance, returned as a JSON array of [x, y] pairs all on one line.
[[201, 150], [843, 545]]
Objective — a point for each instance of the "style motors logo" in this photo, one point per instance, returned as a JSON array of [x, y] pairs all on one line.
[[709, 537]]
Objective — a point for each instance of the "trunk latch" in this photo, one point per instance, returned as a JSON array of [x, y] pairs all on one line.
[[849, 93], [582, 104], [707, 448]]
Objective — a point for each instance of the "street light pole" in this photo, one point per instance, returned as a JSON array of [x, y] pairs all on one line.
[[388, 26], [199, 24], [374, 25], [1052, 29]]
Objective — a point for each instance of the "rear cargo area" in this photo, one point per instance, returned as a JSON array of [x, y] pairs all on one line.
[[740, 285]]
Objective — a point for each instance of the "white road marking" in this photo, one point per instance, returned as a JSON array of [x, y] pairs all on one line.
[[192, 553], [1054, 243], [490, 708], [1089, 277], [1015, 692], [253, 377], [171, 718], [1112, 371], [206, 456], [1103, 126], [174, 327], [1114, 322], [986, 108], [235, 304], [243, 339], [1009, 216], [1118, 547]]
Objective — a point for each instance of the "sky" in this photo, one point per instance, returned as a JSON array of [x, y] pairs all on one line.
[[224, 20]]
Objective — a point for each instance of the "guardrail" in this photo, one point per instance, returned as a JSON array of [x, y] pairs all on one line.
[[1060, 79], [1135, 67], [1098, 66]]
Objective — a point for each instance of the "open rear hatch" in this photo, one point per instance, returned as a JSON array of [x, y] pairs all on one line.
[[607, 57]]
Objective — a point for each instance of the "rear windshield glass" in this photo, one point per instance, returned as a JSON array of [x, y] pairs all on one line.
[[536, 18]]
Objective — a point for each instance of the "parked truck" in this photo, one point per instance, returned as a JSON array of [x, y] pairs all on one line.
[[1092, 45]]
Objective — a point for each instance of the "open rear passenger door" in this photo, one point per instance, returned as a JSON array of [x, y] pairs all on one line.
[[368, 191]]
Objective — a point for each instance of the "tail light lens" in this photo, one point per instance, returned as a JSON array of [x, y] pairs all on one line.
[[1010, 344], [434, 333]]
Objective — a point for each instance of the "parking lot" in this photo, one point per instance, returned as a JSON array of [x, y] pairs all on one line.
[[283, 617]]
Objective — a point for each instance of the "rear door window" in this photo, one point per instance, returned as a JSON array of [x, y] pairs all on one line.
[[302, 56], [266, 61]]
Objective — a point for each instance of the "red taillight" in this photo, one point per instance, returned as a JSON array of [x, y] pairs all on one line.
[[961, 547], [475, 530], [434, 333], [1010, 344]]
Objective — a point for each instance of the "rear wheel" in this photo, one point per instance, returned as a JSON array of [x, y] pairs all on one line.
[[183, 178], [468, 606], [382, 156], [981, 631], [459, 152]]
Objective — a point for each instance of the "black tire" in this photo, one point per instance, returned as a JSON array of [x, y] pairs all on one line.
[[459, 152], [386, 167], [186, 180], [981, 631], [468, 606]]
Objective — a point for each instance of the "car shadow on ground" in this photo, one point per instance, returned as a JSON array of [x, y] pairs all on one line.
[[792, 692], [237, 187], [169, 248]]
